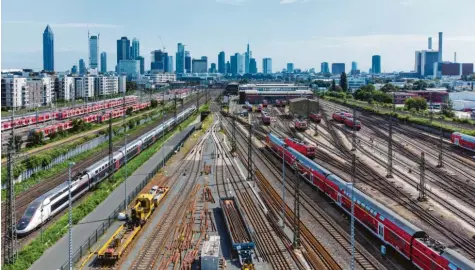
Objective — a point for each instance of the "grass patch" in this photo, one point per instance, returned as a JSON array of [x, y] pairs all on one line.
[[33, 251]]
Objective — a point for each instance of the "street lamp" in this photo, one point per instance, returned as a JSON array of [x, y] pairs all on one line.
[[70, 221]]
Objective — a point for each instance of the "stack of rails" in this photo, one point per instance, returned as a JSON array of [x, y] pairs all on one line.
[[238, 231]]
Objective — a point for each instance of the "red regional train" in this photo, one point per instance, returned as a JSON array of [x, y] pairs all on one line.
[[301, 146], [300, 124], [316, 117], [259, 108], [393, 230], [463, 140], [99, 118], [264, 103], [341, 116], [349, 122], [65, 114]]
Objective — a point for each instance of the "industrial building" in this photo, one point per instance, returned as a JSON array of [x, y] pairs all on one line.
[[257, 93]]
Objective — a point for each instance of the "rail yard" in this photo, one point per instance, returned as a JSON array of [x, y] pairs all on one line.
[[258, 186]]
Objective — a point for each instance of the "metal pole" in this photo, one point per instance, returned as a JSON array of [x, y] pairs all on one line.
[[422, 184], [10, 240], [283, 185], [70, 221], [441, 147], [354, 129], [163, 129], [353, 179], [296, 243], [125, 168], [390, 142]]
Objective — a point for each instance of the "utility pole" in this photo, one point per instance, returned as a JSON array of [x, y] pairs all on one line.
[[249, 152], [422, 184], [284, 147], [111, 163], [441, 147], [296, 243], [354, 129], [233, 137], [125, 168], [174, 102], [431, 109], [10, 238], [353, 179], [308, 112], [390, 142]]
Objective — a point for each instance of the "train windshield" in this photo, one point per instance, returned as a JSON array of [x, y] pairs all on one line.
[[30, 211]]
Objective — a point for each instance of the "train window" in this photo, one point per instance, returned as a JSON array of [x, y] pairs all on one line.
[[381, 217]]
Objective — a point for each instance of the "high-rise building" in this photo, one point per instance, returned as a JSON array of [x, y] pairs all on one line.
[[239, 63], [94, 51], [103, 62], [142, 64], [228, 67], [354, 66], [74, 69], [159, 61], [222, 63], [267, 66], [187, 62], [180, 59], [123, 49], [135, 49], [290, 67], [82, 67], [429, 41], [417, 62], [427, 60], [376, 64], [200, 65], [247, 60], [234, 66], [48, 49], [338, 68], [252, 66], [130, 68], [170, 64], [440, 47], [324, 68], [212, 69]]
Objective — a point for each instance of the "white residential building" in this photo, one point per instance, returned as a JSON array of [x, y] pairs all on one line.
[[48, 89], [122, 87], [106, 85], [14, 91], [162, 77], [65, 88], [84, 86]]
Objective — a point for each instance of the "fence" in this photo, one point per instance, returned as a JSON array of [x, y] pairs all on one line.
[[91, 240]]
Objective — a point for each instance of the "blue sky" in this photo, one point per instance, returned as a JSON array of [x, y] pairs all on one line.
[[306, 32]]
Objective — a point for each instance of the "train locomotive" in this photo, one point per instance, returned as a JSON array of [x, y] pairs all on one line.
[[463, 140], [393, 230], [265, 118], [49, 204], [351, 123], [316, 117], [305, 148], [341, 116], [300, 124]]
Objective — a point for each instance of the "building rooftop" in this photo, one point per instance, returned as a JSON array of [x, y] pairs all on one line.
[[211, 247]]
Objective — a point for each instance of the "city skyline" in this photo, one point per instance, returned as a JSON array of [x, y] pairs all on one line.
[[345, 40]]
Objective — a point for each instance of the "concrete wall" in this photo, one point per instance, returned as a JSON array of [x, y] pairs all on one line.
[[300, 107]]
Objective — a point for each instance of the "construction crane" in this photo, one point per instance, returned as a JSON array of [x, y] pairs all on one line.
[[163, 45]]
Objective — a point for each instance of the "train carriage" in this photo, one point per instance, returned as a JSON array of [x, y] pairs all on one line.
[[265, 118], [463, 140], [341, 116], [300, 124], [316, 117], [350, 122], [301, 146]]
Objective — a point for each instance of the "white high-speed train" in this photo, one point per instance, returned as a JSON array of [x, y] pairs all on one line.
[[49, 204]]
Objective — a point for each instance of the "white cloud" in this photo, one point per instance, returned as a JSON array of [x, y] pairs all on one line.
[[67, 25], [287, 1], [406, 3]]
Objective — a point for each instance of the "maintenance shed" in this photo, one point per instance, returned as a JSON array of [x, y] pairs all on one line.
[[303, 106]]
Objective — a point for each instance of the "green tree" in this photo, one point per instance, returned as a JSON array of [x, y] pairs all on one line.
[[153, 103], [389, 87], [78, 125], [129, 111], [416, 103], [35, 138], [130, 86], [321, 83], [420, 85], [18, 142], [344, 82], [447, 108], [333, 86]]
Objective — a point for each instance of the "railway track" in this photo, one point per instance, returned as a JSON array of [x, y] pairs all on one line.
[[24, 199], [152, 250], [318, 215]]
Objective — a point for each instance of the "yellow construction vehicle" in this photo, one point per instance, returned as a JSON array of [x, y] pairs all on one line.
[[144, 206]]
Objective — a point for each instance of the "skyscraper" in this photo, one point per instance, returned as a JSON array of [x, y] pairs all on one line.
[[234, 66], [212, 69], [82, 67], [240, 63], [74, 69], [440, 47], [338, 68], [427, 60], [135, 50], [123, 49], [180, 59], [228, 67], [170, 64], [252, 66], [290, 67], [324, 68], [222, 63], [247, 58], [187, 62], [93, 51], [376, 64], [267, 66], [103, 62], [48, 49], [429, 41], [159, 61], [142, 64], [354, 66]]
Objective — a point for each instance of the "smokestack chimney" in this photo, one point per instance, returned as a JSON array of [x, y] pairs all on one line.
[[430, 43], [440, 47], [455, 57]]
